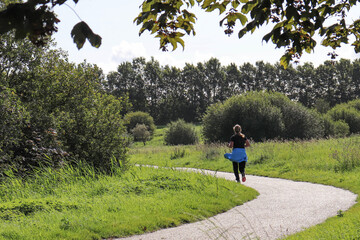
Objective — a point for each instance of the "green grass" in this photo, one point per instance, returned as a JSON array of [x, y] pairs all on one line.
[[76, 203], [333, 162], [158, 139]]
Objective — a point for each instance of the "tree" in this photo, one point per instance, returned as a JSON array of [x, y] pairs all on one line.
[[36, 20], [306, 75], [153, 79], [52, 109], [141, 133], [295, 23]]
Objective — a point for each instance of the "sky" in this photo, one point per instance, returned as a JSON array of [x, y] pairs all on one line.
[[113, 21]]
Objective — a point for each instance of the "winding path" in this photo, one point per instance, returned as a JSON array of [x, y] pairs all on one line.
[[282, 208]]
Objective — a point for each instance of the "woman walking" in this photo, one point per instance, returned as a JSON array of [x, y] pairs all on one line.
[[238, 142]]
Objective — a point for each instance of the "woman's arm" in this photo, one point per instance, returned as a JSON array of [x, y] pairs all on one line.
[[231, 144], [247, 143]]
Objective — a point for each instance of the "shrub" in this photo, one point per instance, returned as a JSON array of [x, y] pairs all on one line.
[[180, 132], [335, 128], [140, 133], [301, 122], [322, 106], [348, 113], [133, 118], [94, 131], [26, 142], [355, 104], [262, 115], [13, 119], [250, 111]]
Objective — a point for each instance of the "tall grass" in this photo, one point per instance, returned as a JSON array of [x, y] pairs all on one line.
[[76, 202], [333, 162]]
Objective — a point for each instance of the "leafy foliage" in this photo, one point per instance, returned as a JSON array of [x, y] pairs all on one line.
[[81, 32], [134, 118], [263, 115], [58, 111], [36, 20], [349, 113], [169, 93], [13, 119], [141, 133], [180, 132], [94, 131], [294, 22]]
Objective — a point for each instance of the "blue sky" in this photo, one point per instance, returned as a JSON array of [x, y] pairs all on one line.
[[113, 21]]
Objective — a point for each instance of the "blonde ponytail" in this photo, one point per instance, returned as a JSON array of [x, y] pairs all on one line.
[[237, 130]]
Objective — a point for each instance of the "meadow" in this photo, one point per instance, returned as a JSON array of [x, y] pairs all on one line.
[[75, 202], [333, 162]]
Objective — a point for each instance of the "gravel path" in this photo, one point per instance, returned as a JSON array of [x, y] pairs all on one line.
[[282, 208]]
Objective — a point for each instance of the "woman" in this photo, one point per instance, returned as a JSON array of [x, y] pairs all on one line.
[[238, 142]]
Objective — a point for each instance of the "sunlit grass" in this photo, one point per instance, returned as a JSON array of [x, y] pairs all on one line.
[[77, 203], [333, 162]]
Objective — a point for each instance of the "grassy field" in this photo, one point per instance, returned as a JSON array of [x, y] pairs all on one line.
[[333, 162], [76, 203]]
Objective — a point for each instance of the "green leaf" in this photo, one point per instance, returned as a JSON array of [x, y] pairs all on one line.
[[291, 12], [206, 3], [242, 18], [173, 42], [235, 3], [95, 40], [192, 2], [285, 60], [81, 32], [267, 36], [146, 6], [179, 40], [248, 7]]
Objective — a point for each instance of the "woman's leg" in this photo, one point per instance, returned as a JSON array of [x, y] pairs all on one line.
[[236, 171], [242, 170]]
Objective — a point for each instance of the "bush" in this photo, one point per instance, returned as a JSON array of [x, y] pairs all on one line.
[[141, 133], [25, 141], [133, 118], [355, 104], [180, 132], [349, 113], [250, 112], [94, 131], [322, 106], [335, 128], [262, 115], [13, 119], [301, 122]]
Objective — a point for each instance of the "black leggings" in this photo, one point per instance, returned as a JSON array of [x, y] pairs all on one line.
[[239, 166]]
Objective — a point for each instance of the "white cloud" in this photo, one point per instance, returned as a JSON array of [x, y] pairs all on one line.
[[108, 66], [126, 51]]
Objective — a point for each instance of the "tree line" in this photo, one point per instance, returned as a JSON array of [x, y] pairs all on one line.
[[53, 111], [168, 93]]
